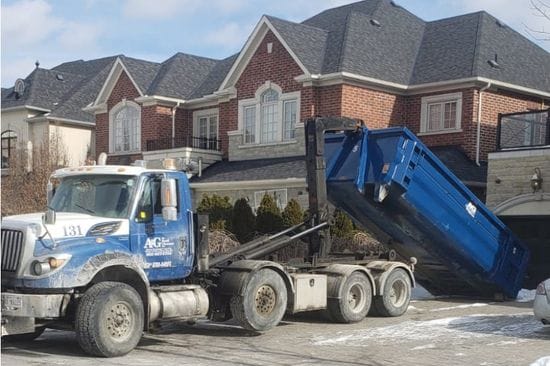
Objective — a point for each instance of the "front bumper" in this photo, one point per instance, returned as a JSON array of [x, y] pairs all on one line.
[[20, 311]]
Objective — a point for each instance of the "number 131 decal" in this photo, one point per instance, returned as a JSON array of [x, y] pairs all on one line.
[[72, 230]]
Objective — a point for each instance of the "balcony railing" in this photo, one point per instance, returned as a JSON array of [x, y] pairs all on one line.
[[523, 130], [186, 141]]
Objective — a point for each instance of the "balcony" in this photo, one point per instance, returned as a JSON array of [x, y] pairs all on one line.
[[525, 130], [188, 148], [185, 141]]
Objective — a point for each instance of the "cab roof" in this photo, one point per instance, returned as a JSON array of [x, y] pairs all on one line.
[[105, 169]]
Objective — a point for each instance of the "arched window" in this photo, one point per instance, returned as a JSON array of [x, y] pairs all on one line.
[[9, 143], [125, 127], [269, 115]]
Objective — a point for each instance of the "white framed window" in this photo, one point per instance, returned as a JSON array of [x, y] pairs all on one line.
[[125, 127], [271, 117], [290, 113], [279, 195], [249, 124], [441, 113], [206, 129]]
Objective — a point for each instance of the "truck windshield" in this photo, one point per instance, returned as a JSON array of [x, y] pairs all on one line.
[[97, 195]]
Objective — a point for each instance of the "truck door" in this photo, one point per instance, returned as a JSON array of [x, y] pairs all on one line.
[[164, 246]]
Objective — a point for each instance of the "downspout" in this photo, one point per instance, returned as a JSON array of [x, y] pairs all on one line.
[[174, 123], [478, 137]]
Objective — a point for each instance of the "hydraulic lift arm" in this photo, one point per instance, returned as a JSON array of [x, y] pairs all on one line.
[[315, 128]]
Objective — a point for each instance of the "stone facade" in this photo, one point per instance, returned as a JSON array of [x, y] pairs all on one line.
[[510, 172]]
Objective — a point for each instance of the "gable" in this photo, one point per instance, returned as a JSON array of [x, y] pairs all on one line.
[[249, 50], [127, 83], [278, 67]]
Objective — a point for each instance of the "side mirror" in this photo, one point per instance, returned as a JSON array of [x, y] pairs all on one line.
[[50, 192], [169, 199], [49, 217]]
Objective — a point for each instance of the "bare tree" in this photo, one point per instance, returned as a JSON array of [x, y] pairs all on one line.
[[541, 8], [24, 188]]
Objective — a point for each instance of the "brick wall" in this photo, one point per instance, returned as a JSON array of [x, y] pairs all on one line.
[[123, 89], [378, 109]]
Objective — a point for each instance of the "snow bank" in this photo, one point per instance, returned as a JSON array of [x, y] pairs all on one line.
[[526, 295], [544, 361], [420, 293], [465, 306], [432, 331]]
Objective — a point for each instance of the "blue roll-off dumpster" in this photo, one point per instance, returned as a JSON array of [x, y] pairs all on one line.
[[389, 182]]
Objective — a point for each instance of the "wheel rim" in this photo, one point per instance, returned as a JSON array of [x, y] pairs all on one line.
[[265, 299], [398, 293], [119, 321], [356, 298]]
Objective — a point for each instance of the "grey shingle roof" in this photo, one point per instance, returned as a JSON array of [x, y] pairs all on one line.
[[262, 169], [404, 49], [521, 62], [180, 75], [84, 94], [143, 72], [458, 162], [43, 88], [309, 43], [295, 167], [213, 80]]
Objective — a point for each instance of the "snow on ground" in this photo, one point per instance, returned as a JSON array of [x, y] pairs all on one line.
[[420, 293], [475, 305], [526, 295], [544, 361], [521, 325]]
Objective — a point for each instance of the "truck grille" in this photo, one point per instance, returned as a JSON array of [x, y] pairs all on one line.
[[12, 246]]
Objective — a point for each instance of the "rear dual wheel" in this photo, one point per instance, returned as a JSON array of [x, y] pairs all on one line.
[[396, 296], [263, 302], [351, 299]]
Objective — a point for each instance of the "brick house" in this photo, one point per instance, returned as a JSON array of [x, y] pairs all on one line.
[[242, 117]]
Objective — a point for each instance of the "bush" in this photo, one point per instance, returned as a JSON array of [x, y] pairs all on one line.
[[243, 223], [219, 211], [268, 216], [343, 226], [292, 214]]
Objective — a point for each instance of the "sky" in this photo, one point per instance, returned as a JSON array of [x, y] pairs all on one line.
[[55, 31]]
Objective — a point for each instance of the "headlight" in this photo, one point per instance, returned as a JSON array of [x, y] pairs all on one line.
[[44, 266], [40, 268]]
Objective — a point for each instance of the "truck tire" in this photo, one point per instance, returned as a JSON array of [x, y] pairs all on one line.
[[352, 298], [25, 337], [263, 303], [109, 319], [396, 296]]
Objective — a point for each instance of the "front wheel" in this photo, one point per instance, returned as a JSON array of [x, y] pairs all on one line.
[[263, 303], [396, 296], [109, 319]]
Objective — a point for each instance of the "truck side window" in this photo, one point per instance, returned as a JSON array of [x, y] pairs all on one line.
[[156, 196], [145, 206]]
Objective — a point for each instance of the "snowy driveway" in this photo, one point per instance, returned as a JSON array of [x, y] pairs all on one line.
[[432, 332]]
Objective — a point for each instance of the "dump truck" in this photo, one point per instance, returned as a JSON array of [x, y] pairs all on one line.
[[120, 249]]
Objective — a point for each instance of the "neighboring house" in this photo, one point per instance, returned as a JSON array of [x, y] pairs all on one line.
[[518, 184], [446, 80], [48, 104]]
